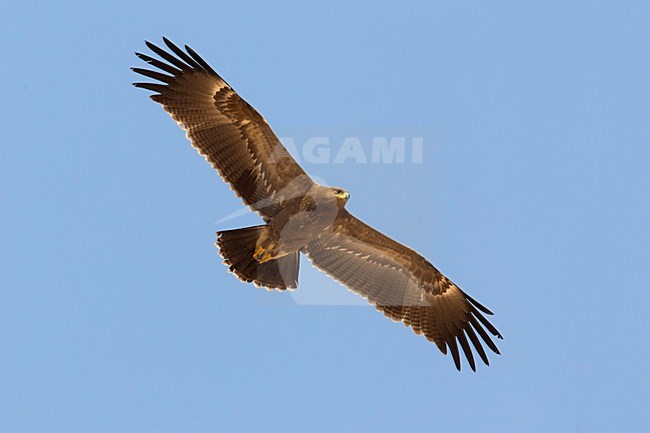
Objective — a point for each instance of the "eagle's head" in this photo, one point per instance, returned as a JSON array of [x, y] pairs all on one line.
[[341, 195]]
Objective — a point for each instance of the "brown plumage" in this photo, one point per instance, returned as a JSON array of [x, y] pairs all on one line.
[[302, 216]]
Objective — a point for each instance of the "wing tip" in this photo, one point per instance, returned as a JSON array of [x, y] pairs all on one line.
[[477, 304], [150, 44]]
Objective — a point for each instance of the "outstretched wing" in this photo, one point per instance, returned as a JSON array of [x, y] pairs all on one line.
[[404, 286], [224, 128]]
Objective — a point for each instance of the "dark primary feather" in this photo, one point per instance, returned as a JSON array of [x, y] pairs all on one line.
[[224, 128], [404, 286]]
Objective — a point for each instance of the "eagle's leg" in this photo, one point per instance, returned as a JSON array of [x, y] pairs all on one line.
[[263, 255], [269, 246], [285, 234]]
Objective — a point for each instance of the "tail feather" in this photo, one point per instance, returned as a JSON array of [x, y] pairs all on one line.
[[237, 248]]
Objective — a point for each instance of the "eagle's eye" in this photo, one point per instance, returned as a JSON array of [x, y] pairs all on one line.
[[338, 192]]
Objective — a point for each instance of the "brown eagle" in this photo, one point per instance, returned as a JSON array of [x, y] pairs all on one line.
[[302, 216]]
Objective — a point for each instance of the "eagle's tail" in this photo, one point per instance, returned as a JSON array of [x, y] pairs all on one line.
[[237, 247]]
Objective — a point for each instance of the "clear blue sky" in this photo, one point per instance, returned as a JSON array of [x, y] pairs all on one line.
[[116, 314]]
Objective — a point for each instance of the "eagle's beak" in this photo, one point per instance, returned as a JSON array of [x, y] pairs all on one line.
[[347, 195]]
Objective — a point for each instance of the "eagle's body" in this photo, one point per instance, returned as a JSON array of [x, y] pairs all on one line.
[[303, 217], [299, 222]]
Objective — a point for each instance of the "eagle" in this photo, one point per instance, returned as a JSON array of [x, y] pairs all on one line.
[[302, 217]]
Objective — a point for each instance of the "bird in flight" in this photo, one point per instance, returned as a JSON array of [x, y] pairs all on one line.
[[303, 217]]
